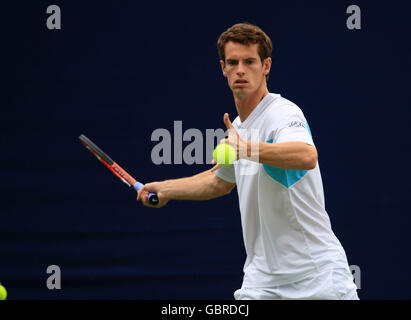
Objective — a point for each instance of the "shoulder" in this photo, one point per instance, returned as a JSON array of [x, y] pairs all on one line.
[[282, 106], [281, 110]]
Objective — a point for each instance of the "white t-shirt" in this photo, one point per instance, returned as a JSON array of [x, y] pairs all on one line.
[[286, 229]]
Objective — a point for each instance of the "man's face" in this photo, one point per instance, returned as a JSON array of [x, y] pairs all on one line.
[[243, 68]]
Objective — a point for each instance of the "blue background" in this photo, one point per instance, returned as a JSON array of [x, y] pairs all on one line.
[[118, 70]]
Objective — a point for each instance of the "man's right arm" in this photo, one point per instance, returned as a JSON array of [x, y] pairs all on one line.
[[203, 186]]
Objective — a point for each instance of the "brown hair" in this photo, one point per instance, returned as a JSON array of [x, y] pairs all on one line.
[[246, 33]]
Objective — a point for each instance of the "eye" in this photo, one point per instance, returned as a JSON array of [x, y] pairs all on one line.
[[232, 62], [249, 61]]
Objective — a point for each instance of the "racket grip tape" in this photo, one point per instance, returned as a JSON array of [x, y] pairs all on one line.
[[152, 197]]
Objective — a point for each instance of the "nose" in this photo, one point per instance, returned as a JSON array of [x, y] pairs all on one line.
[[240, 69]]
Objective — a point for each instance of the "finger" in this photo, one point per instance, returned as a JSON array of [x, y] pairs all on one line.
[[227, 122], [222, 141], [146, 196], [139, 192], [152, 187], [213, 161], [149, 187], [215, 168]]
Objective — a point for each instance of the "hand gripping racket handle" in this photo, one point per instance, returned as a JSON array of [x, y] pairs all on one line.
[[152, 197]]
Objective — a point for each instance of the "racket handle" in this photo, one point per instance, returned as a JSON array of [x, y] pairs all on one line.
[[152, 197]]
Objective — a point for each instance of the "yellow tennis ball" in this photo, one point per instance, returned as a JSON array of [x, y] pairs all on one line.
[[224, 154], [3, 292]]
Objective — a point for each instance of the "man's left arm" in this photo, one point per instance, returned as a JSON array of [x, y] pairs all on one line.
[[286, 155], [296, 155]]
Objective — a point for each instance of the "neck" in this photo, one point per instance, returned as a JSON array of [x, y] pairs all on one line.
[[246, 104]]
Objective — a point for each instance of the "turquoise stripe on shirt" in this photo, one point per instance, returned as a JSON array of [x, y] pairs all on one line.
[[286, 177]]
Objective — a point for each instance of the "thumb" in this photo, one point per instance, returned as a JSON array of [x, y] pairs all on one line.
[[227, 121], [151, 187]]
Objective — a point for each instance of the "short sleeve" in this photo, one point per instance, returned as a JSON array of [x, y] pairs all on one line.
[[293, 127], [226, 173]]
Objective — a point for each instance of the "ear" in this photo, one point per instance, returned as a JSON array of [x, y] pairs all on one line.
[[223, 68], [267, 65]]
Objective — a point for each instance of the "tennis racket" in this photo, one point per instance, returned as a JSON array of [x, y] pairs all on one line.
[[115, 168]]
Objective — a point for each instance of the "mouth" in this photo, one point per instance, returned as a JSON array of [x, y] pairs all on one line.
[[240, 82]]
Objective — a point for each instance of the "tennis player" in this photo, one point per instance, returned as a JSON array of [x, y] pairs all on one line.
[[292, 252]]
